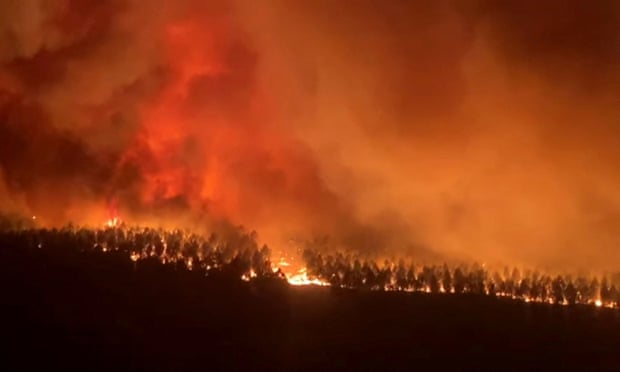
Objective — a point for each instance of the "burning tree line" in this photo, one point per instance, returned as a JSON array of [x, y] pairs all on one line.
[[346, 271], [236, 256]]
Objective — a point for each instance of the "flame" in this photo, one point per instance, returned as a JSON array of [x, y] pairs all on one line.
[[250, 276], [301, 278], [112, 222], [298, 277]]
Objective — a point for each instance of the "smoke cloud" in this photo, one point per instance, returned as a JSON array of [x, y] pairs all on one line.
[[481, 130]]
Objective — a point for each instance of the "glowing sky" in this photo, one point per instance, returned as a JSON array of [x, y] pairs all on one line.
[[469, 129]]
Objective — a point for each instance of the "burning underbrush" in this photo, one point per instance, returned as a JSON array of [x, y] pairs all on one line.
[[239, 256]]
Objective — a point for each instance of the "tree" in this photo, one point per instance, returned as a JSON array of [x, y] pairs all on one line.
[[557, 290], [459, 281], [446, 279], [570, 293], [604, 290]]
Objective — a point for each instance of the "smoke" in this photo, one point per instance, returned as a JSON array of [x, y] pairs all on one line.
[[471, 130]]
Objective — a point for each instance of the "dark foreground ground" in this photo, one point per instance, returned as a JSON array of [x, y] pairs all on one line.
[[100, 312]]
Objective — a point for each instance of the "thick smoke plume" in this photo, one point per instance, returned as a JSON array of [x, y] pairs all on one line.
[[478, 129]]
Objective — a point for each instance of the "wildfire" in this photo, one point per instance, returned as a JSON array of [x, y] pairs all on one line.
[[296, 275], [113, 216], [113, 222], [198, 253], [247, 277], [301, 278]]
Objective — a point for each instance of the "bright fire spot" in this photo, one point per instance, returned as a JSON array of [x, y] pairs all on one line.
[[248, 277], [301, 278], [598, 303], [112, 222], [297, 278]]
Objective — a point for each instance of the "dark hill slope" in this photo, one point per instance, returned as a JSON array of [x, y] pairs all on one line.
[[100, 311]]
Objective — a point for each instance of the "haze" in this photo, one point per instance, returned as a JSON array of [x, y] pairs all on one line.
[[473, 130]]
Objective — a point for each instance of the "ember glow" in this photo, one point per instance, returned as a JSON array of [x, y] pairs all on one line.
[[445, 131]]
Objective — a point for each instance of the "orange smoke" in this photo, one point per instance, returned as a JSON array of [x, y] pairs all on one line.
[[207, 136], [479, 131]]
